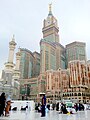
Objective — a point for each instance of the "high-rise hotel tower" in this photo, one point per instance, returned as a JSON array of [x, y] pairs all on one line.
[[75, 51], [52, 52]]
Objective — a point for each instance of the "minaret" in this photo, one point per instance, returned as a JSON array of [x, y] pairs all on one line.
[[10, 64], [16, 76], [9, 68], [16, 73], [18, 56], [12, 45]]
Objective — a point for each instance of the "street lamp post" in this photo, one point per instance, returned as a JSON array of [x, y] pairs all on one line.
[[61, 94], [27, 90]]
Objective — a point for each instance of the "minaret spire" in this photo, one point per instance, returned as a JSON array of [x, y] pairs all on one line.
[[12, 45], [13, 37], [50, 9]]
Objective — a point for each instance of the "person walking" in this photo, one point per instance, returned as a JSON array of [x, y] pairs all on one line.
[[8, 105], [2, 103], [43, 106], [76, 107]]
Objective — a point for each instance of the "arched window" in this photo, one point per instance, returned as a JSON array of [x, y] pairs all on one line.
[[79, 94], [75, 94], [68, 95]]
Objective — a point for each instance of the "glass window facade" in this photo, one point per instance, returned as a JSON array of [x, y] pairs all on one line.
[[29, 64]]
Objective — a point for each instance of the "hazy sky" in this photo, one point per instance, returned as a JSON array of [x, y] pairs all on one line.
[[24, 19]]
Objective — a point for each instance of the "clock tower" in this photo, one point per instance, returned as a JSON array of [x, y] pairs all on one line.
[[52, 52], [50, 27]]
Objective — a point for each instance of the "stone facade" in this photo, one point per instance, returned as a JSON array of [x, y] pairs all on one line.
[[72, 83]]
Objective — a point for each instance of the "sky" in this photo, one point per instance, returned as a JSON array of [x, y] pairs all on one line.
[[24, 19]]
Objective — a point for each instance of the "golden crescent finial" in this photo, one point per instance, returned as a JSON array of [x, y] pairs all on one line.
[[50, 7]]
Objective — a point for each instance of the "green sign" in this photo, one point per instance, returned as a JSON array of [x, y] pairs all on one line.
[[25, 90], [22, 90]]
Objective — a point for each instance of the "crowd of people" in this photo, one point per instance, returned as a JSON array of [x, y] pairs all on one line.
[[61, 107], [5, 104]]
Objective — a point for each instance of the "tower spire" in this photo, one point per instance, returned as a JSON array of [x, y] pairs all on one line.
[[13, 37], [50, 9]]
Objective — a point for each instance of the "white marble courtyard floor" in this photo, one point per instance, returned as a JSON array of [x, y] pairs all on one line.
[[52, 115]]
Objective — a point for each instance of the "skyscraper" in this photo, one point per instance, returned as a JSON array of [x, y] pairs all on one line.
[[26, 64], [37, 63], [29, 64], [75, 51], [52, 52]]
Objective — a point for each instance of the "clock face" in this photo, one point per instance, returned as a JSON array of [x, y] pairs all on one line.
[[48, 22]]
